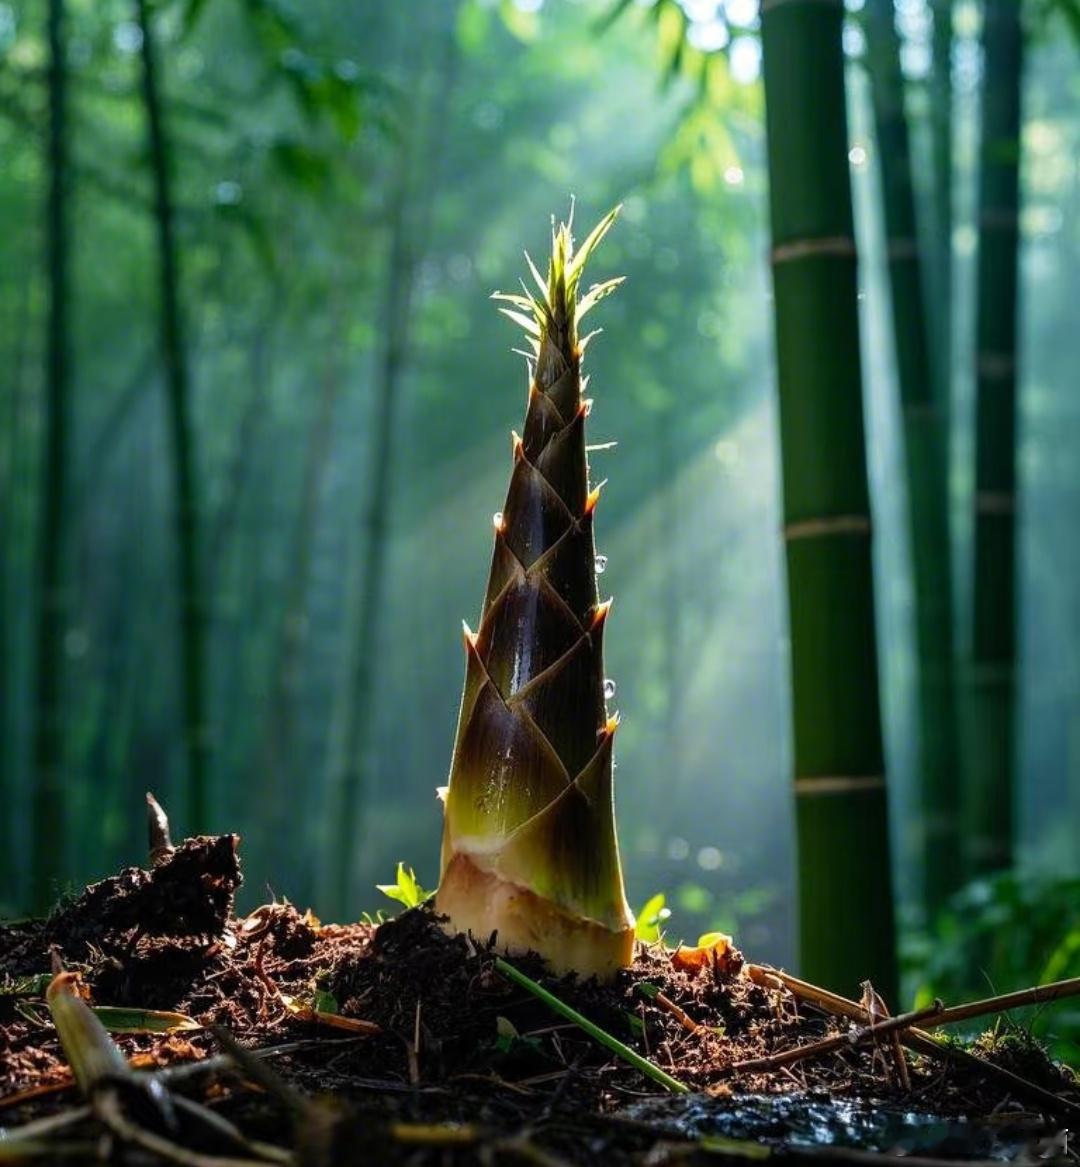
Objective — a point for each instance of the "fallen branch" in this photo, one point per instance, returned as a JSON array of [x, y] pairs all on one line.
[[1038, 995], [652, 993], [840, 1041], [872, 1001], [915, 1039], [107, 1109]]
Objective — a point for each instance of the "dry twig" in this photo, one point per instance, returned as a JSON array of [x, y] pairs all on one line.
[[840, 1041], [915, 1039]]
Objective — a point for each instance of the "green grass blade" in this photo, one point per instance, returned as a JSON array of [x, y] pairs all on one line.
[[593, 1030]]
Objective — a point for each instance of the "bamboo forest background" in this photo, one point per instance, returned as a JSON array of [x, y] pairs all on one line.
[[349, 182]]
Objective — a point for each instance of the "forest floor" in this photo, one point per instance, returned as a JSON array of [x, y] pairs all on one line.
[[395, 1043]]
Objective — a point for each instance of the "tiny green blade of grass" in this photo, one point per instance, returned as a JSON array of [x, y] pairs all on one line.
[[649, 1069]]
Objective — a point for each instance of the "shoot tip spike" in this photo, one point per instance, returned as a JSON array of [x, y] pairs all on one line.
[[600, 614], [158, 834]]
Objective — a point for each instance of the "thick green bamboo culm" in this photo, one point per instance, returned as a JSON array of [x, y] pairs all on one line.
[[49, 824], [845, 897], [178, 389], [991, 744], [925, 449]]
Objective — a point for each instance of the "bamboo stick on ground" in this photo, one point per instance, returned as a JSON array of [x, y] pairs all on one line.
[[917, 1040], [874, 1004], [1036, 995], [841, 1041], [652, 993]]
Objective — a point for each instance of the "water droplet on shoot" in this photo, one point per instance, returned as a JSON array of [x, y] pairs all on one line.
[[497, 519], [600, 563], [609, 689]]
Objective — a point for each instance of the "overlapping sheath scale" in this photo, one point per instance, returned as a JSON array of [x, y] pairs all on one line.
[[529, 843]]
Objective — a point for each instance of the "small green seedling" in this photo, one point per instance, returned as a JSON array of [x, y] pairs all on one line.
[[508, 1039], [324, 1002], [651, 918], [406, 889]]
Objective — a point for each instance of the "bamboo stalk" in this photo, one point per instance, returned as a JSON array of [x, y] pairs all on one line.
[[991, 743], [409, 236], [278, 749], [48, 806], [178, 391], [941, 132], [845, 895], [925, 448]]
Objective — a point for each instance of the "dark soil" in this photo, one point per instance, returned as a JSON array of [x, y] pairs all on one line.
[[458, 1043]]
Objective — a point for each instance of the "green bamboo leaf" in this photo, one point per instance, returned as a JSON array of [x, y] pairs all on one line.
[[605, 21], [405, 889], [120, 1019]]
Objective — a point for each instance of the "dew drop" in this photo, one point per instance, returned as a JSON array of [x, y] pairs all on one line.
[[497, 519], [609, 689], [678, 849], [600, 563]]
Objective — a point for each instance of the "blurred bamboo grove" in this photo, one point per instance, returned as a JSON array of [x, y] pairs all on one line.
[[256, 405]]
